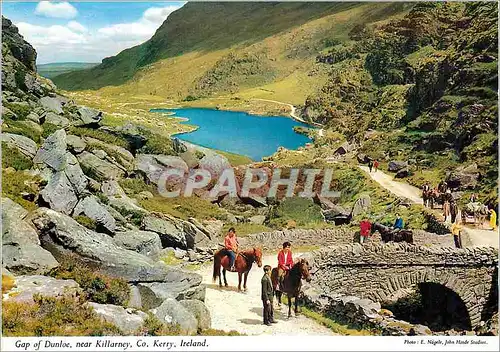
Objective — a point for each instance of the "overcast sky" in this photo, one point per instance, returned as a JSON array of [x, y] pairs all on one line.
[[86, 31]]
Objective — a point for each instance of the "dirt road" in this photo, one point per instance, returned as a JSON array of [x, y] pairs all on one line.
[[232, 310], [477, 236]]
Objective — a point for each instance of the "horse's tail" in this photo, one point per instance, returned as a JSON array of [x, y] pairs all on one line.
[[217, 264]]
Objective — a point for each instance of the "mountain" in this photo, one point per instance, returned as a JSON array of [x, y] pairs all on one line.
[[414, 82], [205, 28], [51, 70]]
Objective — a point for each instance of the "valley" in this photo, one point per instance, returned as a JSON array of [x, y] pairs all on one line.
[[323, 89]]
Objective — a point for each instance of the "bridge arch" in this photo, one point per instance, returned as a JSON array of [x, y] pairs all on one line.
[[376, 271]]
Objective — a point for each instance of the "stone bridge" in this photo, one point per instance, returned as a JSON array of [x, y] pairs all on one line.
[[384, 272]]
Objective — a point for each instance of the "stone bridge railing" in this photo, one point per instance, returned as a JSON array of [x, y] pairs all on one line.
[[330, 237], [377, 271]]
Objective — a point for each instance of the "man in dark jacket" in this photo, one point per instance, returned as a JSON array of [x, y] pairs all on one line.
[[267, 296]]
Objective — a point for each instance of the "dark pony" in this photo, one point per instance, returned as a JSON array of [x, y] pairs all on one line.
[[292, 283], [243, 264], [390, 235]]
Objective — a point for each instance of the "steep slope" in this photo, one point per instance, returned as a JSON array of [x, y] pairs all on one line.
[[209, 27]]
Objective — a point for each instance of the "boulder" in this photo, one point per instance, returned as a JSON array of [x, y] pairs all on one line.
[[362, 205], [128, 320], [27, 286], [402, 173], [75, 143], [190, 159], [92, 208], [257, 219], [59, 193], [118, 199], [178, 146], [196, 235], [362, 158], [63, 235], [172, 312], [395, 165], [145, 195], [200, 312], [143, 242], [55, 119], [135, 300], [33, 116], [153, 166], [99, 168], [87, 116], [75, 174], [213, 227], [25, 145], [464, 177], [52, 104], [53, 151], [21, 250], [170, 230], [215, 164], [117, 153], [178, 285]]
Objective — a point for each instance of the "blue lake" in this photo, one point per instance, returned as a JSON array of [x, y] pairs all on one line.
[[238, 132]]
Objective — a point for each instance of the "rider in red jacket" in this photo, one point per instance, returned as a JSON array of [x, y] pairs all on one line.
[[285, 261]]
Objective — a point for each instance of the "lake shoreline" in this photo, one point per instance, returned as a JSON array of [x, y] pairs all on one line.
[[237, 132]]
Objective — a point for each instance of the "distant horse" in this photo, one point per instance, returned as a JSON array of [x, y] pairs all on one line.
[[389, 234], [426, 197], [292, 283], [435, 197], [476, 210], [243, 264]]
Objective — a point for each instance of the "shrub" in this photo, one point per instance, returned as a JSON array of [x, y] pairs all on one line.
[[182, 207], [21, 110], [48, 129], [190, 98], [8, 283], [302, 210], [86, 221], [15, 183], [97, 287], [243, 229], [49, 316], [154, 327], [12, 157], [134, 216], [158, 144], [18, 127], [133, 186], [100, 135], [216, 332]]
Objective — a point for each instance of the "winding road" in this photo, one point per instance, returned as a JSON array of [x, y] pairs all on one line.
[[478, 237], [232, 310]]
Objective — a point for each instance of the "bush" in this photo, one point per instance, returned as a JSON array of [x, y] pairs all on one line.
[[100, 135], [97, 287], [157, 144], [134, 216], [133, 186], [190, 98], [154, 327], [86, 221], [183, 207], [15, 183], [12, 157], [21, 110], [48, 129], [8, 283], [301, 210], [18, 127], [49, 316]]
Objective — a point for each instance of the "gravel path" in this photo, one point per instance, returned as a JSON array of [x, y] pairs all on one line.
[[231, 310], [478, 237]]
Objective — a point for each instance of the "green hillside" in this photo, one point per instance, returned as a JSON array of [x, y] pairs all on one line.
[[208, 27], [53, 69]]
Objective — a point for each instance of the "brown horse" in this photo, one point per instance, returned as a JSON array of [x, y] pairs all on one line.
[[243, 264], [292, 283], [389, 234]]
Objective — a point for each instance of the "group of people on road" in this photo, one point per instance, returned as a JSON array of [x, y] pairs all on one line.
[[365, 227], [373, 164], [285, 264]]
